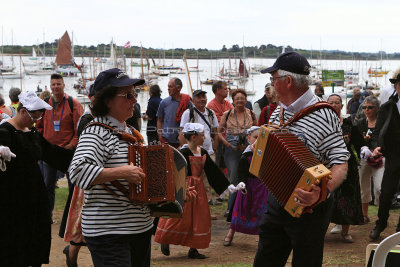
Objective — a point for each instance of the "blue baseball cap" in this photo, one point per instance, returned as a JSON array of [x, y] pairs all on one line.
[[116, 78], [292, 62]]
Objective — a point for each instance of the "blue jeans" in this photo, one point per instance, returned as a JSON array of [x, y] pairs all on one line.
[[231, 158]]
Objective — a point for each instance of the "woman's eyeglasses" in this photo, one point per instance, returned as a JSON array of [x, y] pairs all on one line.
[[368, 107], [128, 96], [32, 118]]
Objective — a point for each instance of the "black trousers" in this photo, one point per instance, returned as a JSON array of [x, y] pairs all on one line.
[[120, 250], [389, 186], [280, 233]]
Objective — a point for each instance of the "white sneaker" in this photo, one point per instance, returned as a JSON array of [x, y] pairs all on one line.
[[337, 229]]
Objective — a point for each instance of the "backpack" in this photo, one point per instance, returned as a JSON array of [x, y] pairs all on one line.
[[210, 118], [70, 102]]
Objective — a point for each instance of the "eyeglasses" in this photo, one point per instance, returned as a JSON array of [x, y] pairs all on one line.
[[129, 95], [368, 107], [272, 79], [32, 118]]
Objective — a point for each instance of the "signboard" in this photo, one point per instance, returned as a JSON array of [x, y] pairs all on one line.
[[332, 76]]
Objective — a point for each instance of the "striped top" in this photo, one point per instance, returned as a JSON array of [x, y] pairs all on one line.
[[103, 213], [320, 131]]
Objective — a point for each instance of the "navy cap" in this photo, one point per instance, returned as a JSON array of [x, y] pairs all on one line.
[[199, 91], [395, 80], [114, 77], [292, 62]]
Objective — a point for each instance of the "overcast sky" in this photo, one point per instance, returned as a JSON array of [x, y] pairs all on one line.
[[350, 25]]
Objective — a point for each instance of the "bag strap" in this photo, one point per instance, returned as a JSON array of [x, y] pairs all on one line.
[[304, 112], [204, 119], [70, 102], [133, 139]]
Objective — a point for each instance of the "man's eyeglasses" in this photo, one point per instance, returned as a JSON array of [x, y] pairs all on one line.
[[32, 118], [129, 95], [273, 79], [368, 107]]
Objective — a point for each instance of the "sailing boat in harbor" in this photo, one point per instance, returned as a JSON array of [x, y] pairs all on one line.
[[64, 60]]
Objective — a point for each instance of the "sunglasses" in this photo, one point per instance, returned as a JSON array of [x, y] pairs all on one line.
[[129, 95], [368, 107]]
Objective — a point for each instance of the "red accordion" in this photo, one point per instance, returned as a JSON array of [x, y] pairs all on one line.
[[283, 163], [163, 188]]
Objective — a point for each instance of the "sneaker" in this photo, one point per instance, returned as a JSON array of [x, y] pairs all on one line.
[[337, 229]]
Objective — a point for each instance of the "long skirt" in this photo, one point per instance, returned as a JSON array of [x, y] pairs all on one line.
[[250, 207], [194, 228]]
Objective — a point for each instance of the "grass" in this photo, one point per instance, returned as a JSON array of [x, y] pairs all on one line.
[[61, 198]]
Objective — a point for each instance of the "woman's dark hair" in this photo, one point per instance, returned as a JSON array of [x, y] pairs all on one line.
[[238, 91], [155, 90], [101, 98], [13, 94], [189, 135], [2, 101]]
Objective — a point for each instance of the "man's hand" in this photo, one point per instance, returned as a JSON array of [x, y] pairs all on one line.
[[305, 198], [377, 152]]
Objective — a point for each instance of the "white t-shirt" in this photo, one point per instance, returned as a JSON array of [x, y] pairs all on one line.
[[214, 124]]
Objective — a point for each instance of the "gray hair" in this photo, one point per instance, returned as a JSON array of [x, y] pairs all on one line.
[[178, 82], [299, 80], [372, 100]]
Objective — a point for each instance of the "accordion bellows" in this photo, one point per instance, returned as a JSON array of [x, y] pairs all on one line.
[[283, 163]]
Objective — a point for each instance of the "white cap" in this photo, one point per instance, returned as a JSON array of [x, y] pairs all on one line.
[[252, 129], [32, 102], [193, 128]]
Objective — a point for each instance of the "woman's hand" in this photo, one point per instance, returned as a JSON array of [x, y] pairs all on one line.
[[191, 194], [132, 173], [367, 138]]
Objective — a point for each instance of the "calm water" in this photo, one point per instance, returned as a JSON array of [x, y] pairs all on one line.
[[211, 67]]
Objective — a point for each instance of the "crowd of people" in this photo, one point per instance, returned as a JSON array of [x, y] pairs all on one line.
[[44, 138]]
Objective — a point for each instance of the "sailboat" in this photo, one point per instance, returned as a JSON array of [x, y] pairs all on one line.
[[64, 59]]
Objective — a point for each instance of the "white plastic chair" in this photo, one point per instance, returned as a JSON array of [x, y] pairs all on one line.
[[383, 249]]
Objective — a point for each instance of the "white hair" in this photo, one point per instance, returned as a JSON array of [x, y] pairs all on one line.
[[299, 80]]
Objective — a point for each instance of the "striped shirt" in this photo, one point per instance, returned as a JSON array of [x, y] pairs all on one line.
[[320, 131], [102, 213]]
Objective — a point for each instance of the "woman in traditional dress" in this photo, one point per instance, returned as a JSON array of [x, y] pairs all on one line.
[[25, 227], [250, 204], [347, 206], [194, 228]]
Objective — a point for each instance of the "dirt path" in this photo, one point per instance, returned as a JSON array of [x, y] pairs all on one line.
[[336, 253]]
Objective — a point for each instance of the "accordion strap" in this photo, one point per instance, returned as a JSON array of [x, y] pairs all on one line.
[[304, 112], [133, 138]]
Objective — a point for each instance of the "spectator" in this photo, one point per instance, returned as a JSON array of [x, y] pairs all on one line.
[[170, 112], [319, 90], [268, 110], [367, 172], [13, 95], [5, 112], [262, 102], [151, 113], [136, 120], [59, 127]]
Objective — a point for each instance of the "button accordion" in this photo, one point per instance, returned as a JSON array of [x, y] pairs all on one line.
[[283, 163], [163, 188]]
